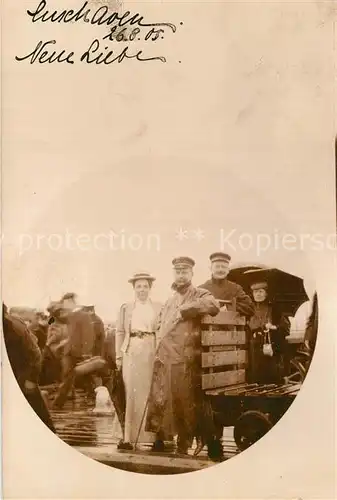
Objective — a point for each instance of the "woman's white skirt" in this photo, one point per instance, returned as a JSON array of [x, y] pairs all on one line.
[[137, 375]]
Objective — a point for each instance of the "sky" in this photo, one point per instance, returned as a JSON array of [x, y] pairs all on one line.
[[227, 143]]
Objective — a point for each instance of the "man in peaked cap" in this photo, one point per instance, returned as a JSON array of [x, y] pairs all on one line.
[[223, 289], [175, 393]]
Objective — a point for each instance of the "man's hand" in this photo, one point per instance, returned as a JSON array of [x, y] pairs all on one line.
[[270, 326], [119, 364]]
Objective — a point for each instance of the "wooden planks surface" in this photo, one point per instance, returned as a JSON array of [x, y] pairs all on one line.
[[146, 462], [93, 436]]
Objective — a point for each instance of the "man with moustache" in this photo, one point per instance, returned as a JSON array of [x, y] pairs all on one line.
[[222, 289], [175, 394]]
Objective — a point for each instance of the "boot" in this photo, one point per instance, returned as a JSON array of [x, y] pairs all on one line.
[[158, 446], [215, 451], [124, 446], [182, 446], [199, 447]]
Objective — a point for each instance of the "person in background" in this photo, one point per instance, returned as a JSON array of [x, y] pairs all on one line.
[[222, 289], [80, 345], [269, 328], [310, 336], [99, 344], [176, 382], [135, 349], [52, 354], [98, 329], [39, 327], [25, 359]]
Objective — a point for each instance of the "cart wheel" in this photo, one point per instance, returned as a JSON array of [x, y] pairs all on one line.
[[297, 372], [250, 427]]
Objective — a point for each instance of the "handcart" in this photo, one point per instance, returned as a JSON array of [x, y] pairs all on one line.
[[236, 401]]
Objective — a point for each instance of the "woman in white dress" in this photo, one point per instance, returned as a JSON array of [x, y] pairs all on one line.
[[135, 349]]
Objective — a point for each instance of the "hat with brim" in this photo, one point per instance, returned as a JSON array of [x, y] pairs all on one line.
[[183, 263], [142, 276], [220, 256], [262, 285], [69, 296], [54, 307]]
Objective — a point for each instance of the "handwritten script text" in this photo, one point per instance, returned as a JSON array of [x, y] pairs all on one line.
[[129, 29]]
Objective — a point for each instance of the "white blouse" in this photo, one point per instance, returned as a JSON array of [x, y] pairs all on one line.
[[142, 317]]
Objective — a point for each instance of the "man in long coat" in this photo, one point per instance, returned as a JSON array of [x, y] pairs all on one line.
[[222, 289], [175, 393]]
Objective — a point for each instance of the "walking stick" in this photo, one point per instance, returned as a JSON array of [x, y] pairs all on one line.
[[145, 409], [142, 421], [148, 398]]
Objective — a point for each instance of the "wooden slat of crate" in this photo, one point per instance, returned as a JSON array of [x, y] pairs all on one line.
[[217, 348], [215, 380], [223, 358], [225, 318], [230, 337]]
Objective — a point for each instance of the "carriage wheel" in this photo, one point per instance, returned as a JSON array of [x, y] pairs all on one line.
[[297, 372], [250, 427]]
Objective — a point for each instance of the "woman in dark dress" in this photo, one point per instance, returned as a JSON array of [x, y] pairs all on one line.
[[269, 327]]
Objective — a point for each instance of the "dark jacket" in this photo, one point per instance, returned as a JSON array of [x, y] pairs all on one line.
[[99, 334], [22, 349], [81, 335], [272, 313], [109, 349], [264, 369], [227, 290], [41, 332]]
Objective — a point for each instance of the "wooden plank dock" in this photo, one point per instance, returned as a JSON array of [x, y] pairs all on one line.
[[92, 435]]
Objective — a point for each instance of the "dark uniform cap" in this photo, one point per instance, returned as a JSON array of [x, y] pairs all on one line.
[[183, 262], [216, 256], [260, 285]]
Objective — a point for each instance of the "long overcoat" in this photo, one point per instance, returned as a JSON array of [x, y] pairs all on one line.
[[176, 383]]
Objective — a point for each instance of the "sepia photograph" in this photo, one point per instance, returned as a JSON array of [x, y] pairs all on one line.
[[168, 244], [176, 334]]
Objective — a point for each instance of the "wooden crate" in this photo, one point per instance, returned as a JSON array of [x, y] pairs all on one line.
[[225, 356]]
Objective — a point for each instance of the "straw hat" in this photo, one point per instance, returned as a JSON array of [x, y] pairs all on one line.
[[141, 276]]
